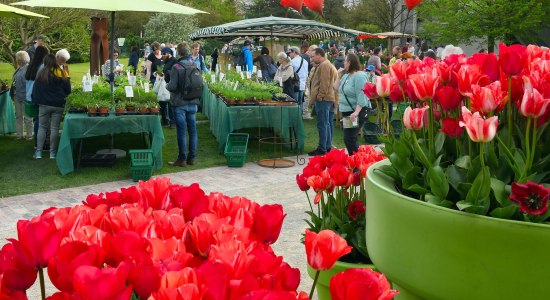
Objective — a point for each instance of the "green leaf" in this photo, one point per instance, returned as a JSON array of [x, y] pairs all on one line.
[[439, 142], [418, 189], [463, 162], [463, 204], [401, 164], [413, 177], [504, 212], [463, 188], [390, 171], [479, 193], [499, 190], [519, 157], [455, 176], [438, 182], [438, 201]]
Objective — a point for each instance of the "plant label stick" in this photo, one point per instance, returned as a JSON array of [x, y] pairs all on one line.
[[236, 85], [146, 87], [129, 91]]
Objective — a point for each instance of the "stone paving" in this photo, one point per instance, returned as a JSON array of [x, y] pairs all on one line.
[[260, 184]]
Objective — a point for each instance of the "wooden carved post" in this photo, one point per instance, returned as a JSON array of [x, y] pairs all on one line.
[[99, 47]]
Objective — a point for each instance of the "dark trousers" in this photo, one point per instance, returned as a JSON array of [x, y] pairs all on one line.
[[166, 113], [350, 139]]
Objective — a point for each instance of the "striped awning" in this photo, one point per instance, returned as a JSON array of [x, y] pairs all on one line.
[[273, 26]]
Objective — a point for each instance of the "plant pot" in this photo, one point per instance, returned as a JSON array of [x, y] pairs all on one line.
[[155, 110], [431, 252], [120, 111], [230, 101], [323, 283], [92, 112], [143, 110], [131, 109], [103, 112]]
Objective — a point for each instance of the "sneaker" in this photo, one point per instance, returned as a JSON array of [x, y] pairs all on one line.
[[53, 154], [316, 152], [307, 117], [37, 154]]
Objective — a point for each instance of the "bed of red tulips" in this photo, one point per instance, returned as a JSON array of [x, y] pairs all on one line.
[[156, 240]]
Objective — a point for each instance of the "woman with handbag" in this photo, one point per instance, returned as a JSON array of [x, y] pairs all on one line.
[[353, 103], [285, 74]]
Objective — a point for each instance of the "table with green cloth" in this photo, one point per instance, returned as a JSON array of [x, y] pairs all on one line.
[[78, 126], [7, 114], [285, 120]]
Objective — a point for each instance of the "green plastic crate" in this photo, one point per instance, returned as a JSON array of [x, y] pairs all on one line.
[[236, 149], [141, 172], [141, 158]]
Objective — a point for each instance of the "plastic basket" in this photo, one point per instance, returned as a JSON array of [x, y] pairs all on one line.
[[141, 158], [370, 132], [31, 110], [141, 172], [236, 149]]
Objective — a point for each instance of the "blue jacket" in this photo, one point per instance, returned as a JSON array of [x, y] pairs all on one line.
[[247, 58]]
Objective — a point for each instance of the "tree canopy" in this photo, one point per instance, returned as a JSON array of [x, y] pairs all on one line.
[[163, 27]]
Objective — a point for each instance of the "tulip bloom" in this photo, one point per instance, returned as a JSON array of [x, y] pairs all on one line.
[[16, 274], [39, 238], [339, 174], [295, 4], [301, 180], [424, 85], [467, 76], [396, 94], [414, 118], [512, 59], [448, 97], [102, 284], [370, 91], [268, 221], [479, 129], [411, 4], [383, 85], [487, 99], [399, 71], [323, 249], [360, 283], [451, 127], [356, 209], [531, 197], [533, 104]]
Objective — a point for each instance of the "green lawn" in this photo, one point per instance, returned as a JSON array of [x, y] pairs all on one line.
[[21, 174]]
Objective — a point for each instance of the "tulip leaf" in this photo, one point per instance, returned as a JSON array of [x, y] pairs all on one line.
[[519, 157], [463, 188], [438, 201], [390, 171], [401, 164], [463, 162], [134, 296], [418, 189], [463, 204], [492, 158], [480, 209], [479, 193], [439, 142], [438, 182], [504, 212], [413, 177], [455, 176], [499, 190]]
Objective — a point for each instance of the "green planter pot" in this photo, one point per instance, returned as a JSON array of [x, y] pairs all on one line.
[[323, 283], [431, 252]]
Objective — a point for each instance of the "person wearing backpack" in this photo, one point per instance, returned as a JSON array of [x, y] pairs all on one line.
[[267, 65], [185, 87], [300, 66], [245, 58]]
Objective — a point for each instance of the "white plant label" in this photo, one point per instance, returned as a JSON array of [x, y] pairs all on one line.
[[146, 86], [228, 67], [213, 78], [248, 75], [132, 80], [259, 74], [242, 75], [87, 85], [254, 69], [95, 79], [222, 75], [235, 86], [238, 69], [129, 91], [280, 81]]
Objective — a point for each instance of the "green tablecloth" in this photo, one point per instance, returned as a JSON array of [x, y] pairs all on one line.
[[285, 120], [77, 126], [7, 114]]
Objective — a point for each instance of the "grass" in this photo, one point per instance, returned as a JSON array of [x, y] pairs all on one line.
[[21, 174]]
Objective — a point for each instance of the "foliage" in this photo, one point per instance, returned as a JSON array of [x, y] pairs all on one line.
[[164, 27], [451, 21], [386, 15], [219, 11]]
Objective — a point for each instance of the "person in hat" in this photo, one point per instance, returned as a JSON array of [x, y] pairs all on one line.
[[41, 40], [371, 75], [246, 52]]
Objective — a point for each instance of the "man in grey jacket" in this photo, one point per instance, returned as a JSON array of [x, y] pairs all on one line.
[[185, 110]]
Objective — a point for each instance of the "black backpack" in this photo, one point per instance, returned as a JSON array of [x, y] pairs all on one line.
[[193, 83], [240, 61], [296, 78]]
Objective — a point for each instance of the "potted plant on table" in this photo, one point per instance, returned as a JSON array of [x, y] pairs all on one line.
[[104, 106], [338, 181], [92, 109], [451, 207], [130, 106], [142, 107], [120, 108], [154, 107]]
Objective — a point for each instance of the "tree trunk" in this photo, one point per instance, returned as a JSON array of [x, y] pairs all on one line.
[[491, 43]]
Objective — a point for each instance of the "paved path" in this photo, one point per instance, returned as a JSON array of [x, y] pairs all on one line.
[[260, 184]]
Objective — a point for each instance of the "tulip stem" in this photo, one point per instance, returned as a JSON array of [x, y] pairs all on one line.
[[509, 109], [314, 284], [42, 284], [527, 147], [423, 157], [431, 141], [482, 155]]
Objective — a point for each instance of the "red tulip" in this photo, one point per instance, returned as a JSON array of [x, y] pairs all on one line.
[[60, 296], [301, 180], [398, 71], [315, 5], [145, 278], [448, 97], [185, 292], [124, 245], [411, 4], [533, 104], [451, 127], [70, 257], [12, 295], [424, 85], [201, 233], [323, 249], [467, 76], [319, 183], [356, 209], [360, 283], [512, 58], [191, 199], [336, 156], [339, 174], [487, 99], [479, 129], [488, 64], [155, 193], [396, 94], [409, 91], [414, 118], [16, 272], [383, 84], [370, 91], [295, 4], [40, 239], [531, 197], [268, 222], [108, 283]]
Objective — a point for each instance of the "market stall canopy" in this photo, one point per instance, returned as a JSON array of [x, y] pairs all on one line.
[[273, 26], [7, 11], [384, 35]]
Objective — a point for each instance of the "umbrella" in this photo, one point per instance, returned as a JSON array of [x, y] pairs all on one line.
[[113, 6], [274, 27], [7, 11]]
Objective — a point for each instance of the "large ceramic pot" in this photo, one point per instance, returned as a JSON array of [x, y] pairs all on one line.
[[323, 282], [431, 252]]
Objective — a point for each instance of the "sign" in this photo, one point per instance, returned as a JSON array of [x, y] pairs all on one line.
[[132, 80], [236, 85], [129, 91], [146, 86], [222, 75], [259, 74], [95, 79], [238, 69], [228, 67], [254, 69], [248, 75], [87, 85]]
